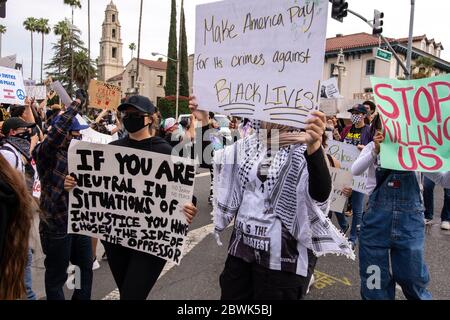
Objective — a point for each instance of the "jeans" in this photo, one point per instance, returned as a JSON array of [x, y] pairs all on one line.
[[341, 218], [392, 237], [28, 279], [60, 249], [428, 198], [358, 208]]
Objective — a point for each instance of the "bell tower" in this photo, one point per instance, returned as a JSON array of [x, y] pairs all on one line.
[[110, 62]]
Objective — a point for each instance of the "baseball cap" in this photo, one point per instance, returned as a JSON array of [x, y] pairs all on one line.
[[14, 124], [139, 102], [358, 108], [169, 123], [76, 124]]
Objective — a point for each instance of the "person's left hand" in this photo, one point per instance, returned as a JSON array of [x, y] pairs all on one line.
[[190, 211], [314, 131], [347, 192], [360, 147]]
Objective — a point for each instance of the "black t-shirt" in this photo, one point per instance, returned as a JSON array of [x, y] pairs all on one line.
[[154, 144], [354, 136]]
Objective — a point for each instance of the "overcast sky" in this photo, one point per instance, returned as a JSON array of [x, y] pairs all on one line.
[[431, 19]]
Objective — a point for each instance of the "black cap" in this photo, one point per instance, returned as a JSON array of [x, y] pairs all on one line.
[[359, 108], [14, 124], [139, 102]]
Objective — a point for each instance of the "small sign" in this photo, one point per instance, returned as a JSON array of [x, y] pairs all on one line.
[[104, 95], [383, 55]]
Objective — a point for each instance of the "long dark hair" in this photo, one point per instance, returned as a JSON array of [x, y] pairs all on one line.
[[15, 252]]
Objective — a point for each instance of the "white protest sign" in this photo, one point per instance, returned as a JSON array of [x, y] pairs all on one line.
[[12, 90], [341, 179], [92, 136], [37, 92], [329, 89], [261, 59], [62, 93], [347, 155], [130, 197]]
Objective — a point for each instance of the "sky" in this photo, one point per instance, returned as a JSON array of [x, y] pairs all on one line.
[[430, 19]]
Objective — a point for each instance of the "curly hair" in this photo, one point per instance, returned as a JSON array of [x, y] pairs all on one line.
[[15, 253]]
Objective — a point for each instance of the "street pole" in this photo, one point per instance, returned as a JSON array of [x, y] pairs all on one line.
[[139, 48], [411, 31], [177, 96]]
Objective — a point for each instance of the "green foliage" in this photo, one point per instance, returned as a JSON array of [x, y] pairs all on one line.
[[171, 74], [168, 110], [184, 68], [423, 68]]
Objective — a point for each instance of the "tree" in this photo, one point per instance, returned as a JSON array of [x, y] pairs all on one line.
[[132, 47], [2, 32], [30, 24], [171, 76], [184, 67], [424, 66], [83, 69], [62, 29], [73, 4], [44, 29]]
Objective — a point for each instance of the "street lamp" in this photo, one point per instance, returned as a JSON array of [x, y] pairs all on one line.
[[339, 69], [177, 96]]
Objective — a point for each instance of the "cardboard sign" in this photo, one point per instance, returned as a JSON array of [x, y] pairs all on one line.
[[130, 197], [103, 95], [347, 155], [37, 92], [416, 119], [261, 59], [12, 90], [341, 179]]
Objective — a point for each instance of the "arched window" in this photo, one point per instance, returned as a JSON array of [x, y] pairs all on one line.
[[113, 18], [114, 33]]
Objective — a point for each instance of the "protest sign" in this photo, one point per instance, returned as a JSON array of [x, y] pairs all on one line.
[[261, 59], [341, 179], [92, 136], [12, 90], [416, 119], [130, 197], [329, 89], [37, 92], [103, 95], [347, 154], [61, 92], [329, 106]]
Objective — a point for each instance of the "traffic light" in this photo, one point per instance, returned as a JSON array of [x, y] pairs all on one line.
[[3, 8], [339, 10], [378, 23]]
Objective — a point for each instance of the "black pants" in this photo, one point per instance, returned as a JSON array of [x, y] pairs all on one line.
[[249, 281], [135, 272]]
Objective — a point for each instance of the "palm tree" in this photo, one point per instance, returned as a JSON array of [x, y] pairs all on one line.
[[132, 47], [82, 68], [2, 32], [30, 24], [62, 29], [44, 29], [73, 4]]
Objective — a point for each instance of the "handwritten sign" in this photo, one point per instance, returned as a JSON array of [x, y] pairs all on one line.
[[92, 136], [347, 155], [261, 59], [12, 90], [37, 92], [329, 89], [130, 197], [341, 179], [416, 119], [103, 95]]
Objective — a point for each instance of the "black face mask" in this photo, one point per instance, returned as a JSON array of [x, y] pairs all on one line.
[[24, 135], [134, 124]]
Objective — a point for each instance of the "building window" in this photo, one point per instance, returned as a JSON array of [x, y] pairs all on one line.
[[160, 80], [120, 84], [132, 82], [113, 18], [370, 67], [114, 53], [332, 70], [114, 33], [368, 90]]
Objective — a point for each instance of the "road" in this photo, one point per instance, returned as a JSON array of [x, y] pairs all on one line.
[[337, 278]]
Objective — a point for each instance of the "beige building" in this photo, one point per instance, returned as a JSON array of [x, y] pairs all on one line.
[[151, 82], [110, 62], [361, 64]]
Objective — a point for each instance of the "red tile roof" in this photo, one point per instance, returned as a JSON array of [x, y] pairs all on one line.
[[158, 65], [352, 41]]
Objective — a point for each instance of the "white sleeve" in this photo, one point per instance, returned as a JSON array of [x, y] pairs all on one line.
[[10, 157], [364, 161], [440, 178]]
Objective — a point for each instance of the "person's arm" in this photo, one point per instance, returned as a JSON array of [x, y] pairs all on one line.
[[28, 113], [319, 176], [367, 158], [439, 178], [101, 115]]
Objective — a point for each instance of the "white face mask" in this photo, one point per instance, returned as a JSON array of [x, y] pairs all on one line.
[[356, 118]]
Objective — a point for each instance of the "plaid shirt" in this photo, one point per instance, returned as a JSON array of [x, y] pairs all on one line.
[[52, 165]]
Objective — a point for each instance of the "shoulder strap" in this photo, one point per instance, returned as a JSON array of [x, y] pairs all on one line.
[[9, 149]]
